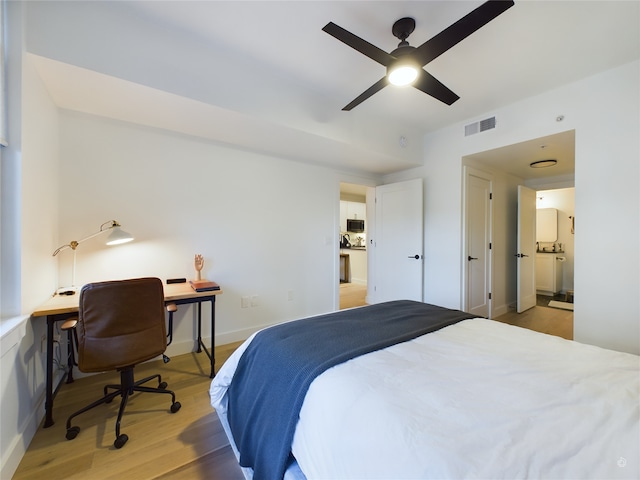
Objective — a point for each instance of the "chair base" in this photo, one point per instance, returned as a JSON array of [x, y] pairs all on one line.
[[126, 388]]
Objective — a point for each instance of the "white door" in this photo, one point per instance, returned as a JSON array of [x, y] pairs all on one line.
[[526, 248], [397, 242], [477, 257]]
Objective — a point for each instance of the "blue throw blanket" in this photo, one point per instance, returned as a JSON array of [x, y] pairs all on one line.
[[274, 373]]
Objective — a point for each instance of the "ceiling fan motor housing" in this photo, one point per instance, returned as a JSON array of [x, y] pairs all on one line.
[[403, 28]]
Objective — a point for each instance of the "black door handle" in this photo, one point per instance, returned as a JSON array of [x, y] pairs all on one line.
[[417, 257], [471, 258], [520, 255]]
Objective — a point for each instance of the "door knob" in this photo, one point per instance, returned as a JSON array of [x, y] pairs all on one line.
[[469, 258], [417, 257], [520, 255]]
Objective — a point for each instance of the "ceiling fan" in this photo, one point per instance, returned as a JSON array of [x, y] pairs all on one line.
[[404, 64]]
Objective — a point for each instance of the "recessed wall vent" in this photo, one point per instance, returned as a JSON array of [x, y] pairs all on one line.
[[481, 126]]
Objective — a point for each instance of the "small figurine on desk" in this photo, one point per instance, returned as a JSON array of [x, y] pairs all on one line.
[[200, 285], [199, 263]]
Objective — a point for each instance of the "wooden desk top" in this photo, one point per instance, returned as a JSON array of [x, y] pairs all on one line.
[[59, 304]]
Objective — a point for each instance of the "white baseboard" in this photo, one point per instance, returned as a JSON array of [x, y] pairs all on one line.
[[188, 346], [18, 446]]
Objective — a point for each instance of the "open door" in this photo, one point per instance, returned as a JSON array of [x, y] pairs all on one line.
[[526, 248], [397, 242]]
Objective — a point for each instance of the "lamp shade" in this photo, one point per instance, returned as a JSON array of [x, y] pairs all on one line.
[[118, 236]]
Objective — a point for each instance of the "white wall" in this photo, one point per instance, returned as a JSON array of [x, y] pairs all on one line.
[[604, 111], [22, 363], [265, 226]]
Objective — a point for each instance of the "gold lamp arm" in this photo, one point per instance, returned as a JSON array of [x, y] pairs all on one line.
[[73, 244]]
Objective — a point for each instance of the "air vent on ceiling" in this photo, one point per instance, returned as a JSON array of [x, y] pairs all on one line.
[[481, 126]]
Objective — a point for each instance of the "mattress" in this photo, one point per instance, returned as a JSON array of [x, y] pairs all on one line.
[[478, 399]]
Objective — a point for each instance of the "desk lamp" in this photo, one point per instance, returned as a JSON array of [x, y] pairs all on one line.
[[116, 237]]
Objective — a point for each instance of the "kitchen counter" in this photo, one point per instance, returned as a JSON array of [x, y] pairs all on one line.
[[356, 258]]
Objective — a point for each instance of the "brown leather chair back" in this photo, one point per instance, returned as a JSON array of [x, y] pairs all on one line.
[[121, 323]]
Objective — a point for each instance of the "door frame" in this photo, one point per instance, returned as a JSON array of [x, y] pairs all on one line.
[[468, 171]]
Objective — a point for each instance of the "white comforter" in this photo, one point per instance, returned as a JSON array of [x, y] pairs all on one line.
[[478, 399]]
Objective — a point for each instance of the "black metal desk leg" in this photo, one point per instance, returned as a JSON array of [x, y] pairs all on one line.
[[48, 402], [199, 327], [213, 336]]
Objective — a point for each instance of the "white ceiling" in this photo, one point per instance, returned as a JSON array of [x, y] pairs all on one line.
[[516, 159], [533, 47]]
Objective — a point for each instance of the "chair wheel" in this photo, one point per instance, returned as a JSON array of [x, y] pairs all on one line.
[[163, 386], [120, 441], [175, 407], [72, 432]]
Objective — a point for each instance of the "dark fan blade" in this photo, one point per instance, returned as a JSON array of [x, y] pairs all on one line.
[[432, 86], [376, 87], [359, 44], [460, 30]]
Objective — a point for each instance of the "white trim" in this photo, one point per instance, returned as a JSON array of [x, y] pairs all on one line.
[[11, 332]]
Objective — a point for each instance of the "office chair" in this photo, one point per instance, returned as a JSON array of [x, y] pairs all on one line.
[[121, 324]]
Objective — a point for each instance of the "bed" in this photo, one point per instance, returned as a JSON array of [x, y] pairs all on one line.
[[457, 397]]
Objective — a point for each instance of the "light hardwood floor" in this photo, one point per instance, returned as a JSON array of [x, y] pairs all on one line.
[[553, 321], [542, 319], [188, 444], [352, 295]]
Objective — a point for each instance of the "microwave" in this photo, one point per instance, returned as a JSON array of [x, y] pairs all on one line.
[[354, 225]]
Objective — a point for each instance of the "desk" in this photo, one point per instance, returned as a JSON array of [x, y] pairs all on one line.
[[62, 307]]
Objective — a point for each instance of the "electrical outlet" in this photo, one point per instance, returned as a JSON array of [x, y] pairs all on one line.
[[244, 302], [255, 300]]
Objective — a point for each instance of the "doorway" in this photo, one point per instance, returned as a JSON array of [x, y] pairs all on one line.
[[353, 255], [383, 252], [559, 290], [509, 167]]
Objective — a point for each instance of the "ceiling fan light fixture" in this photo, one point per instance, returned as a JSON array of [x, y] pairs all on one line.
[[403, 71], [403, 75], [543, 163]]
